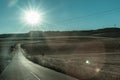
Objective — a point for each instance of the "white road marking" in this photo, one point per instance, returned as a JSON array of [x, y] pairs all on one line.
[[35, 76]]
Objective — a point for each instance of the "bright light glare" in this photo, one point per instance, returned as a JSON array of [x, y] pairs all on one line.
[[88, 62], [32, 17]]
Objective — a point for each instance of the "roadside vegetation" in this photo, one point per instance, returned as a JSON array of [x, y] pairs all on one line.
[[79, 57], [5, 55], [86, 55]]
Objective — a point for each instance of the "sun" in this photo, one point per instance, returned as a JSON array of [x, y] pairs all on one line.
[[32, 17]]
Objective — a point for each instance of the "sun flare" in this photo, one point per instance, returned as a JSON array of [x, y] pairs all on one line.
[[32, 17]]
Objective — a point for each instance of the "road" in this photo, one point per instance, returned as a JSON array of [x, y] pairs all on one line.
[[21, 68]]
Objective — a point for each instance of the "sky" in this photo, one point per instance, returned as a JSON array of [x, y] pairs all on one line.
[[59, 15]]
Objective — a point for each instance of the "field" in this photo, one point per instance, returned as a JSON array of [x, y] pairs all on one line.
[[5, 54], [86, 55], [86, 58]]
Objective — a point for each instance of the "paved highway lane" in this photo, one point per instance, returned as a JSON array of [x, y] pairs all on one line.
[[21, 68]]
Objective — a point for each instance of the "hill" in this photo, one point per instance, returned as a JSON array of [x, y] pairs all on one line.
[[105, 32]]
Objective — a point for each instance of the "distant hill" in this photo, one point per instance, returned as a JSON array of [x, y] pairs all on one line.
[[105, 32]]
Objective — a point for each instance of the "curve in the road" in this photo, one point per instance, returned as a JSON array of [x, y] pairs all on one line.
[[21, 68]]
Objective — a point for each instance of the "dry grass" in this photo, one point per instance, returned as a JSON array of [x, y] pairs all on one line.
[[70, 56]]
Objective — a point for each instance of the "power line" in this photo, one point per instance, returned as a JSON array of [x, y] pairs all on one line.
[[64, 23], [97, 13]]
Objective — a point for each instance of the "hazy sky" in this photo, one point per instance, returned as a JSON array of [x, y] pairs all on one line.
[[60, 14]]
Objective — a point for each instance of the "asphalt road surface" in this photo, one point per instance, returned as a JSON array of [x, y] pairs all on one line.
[[21, 68]]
